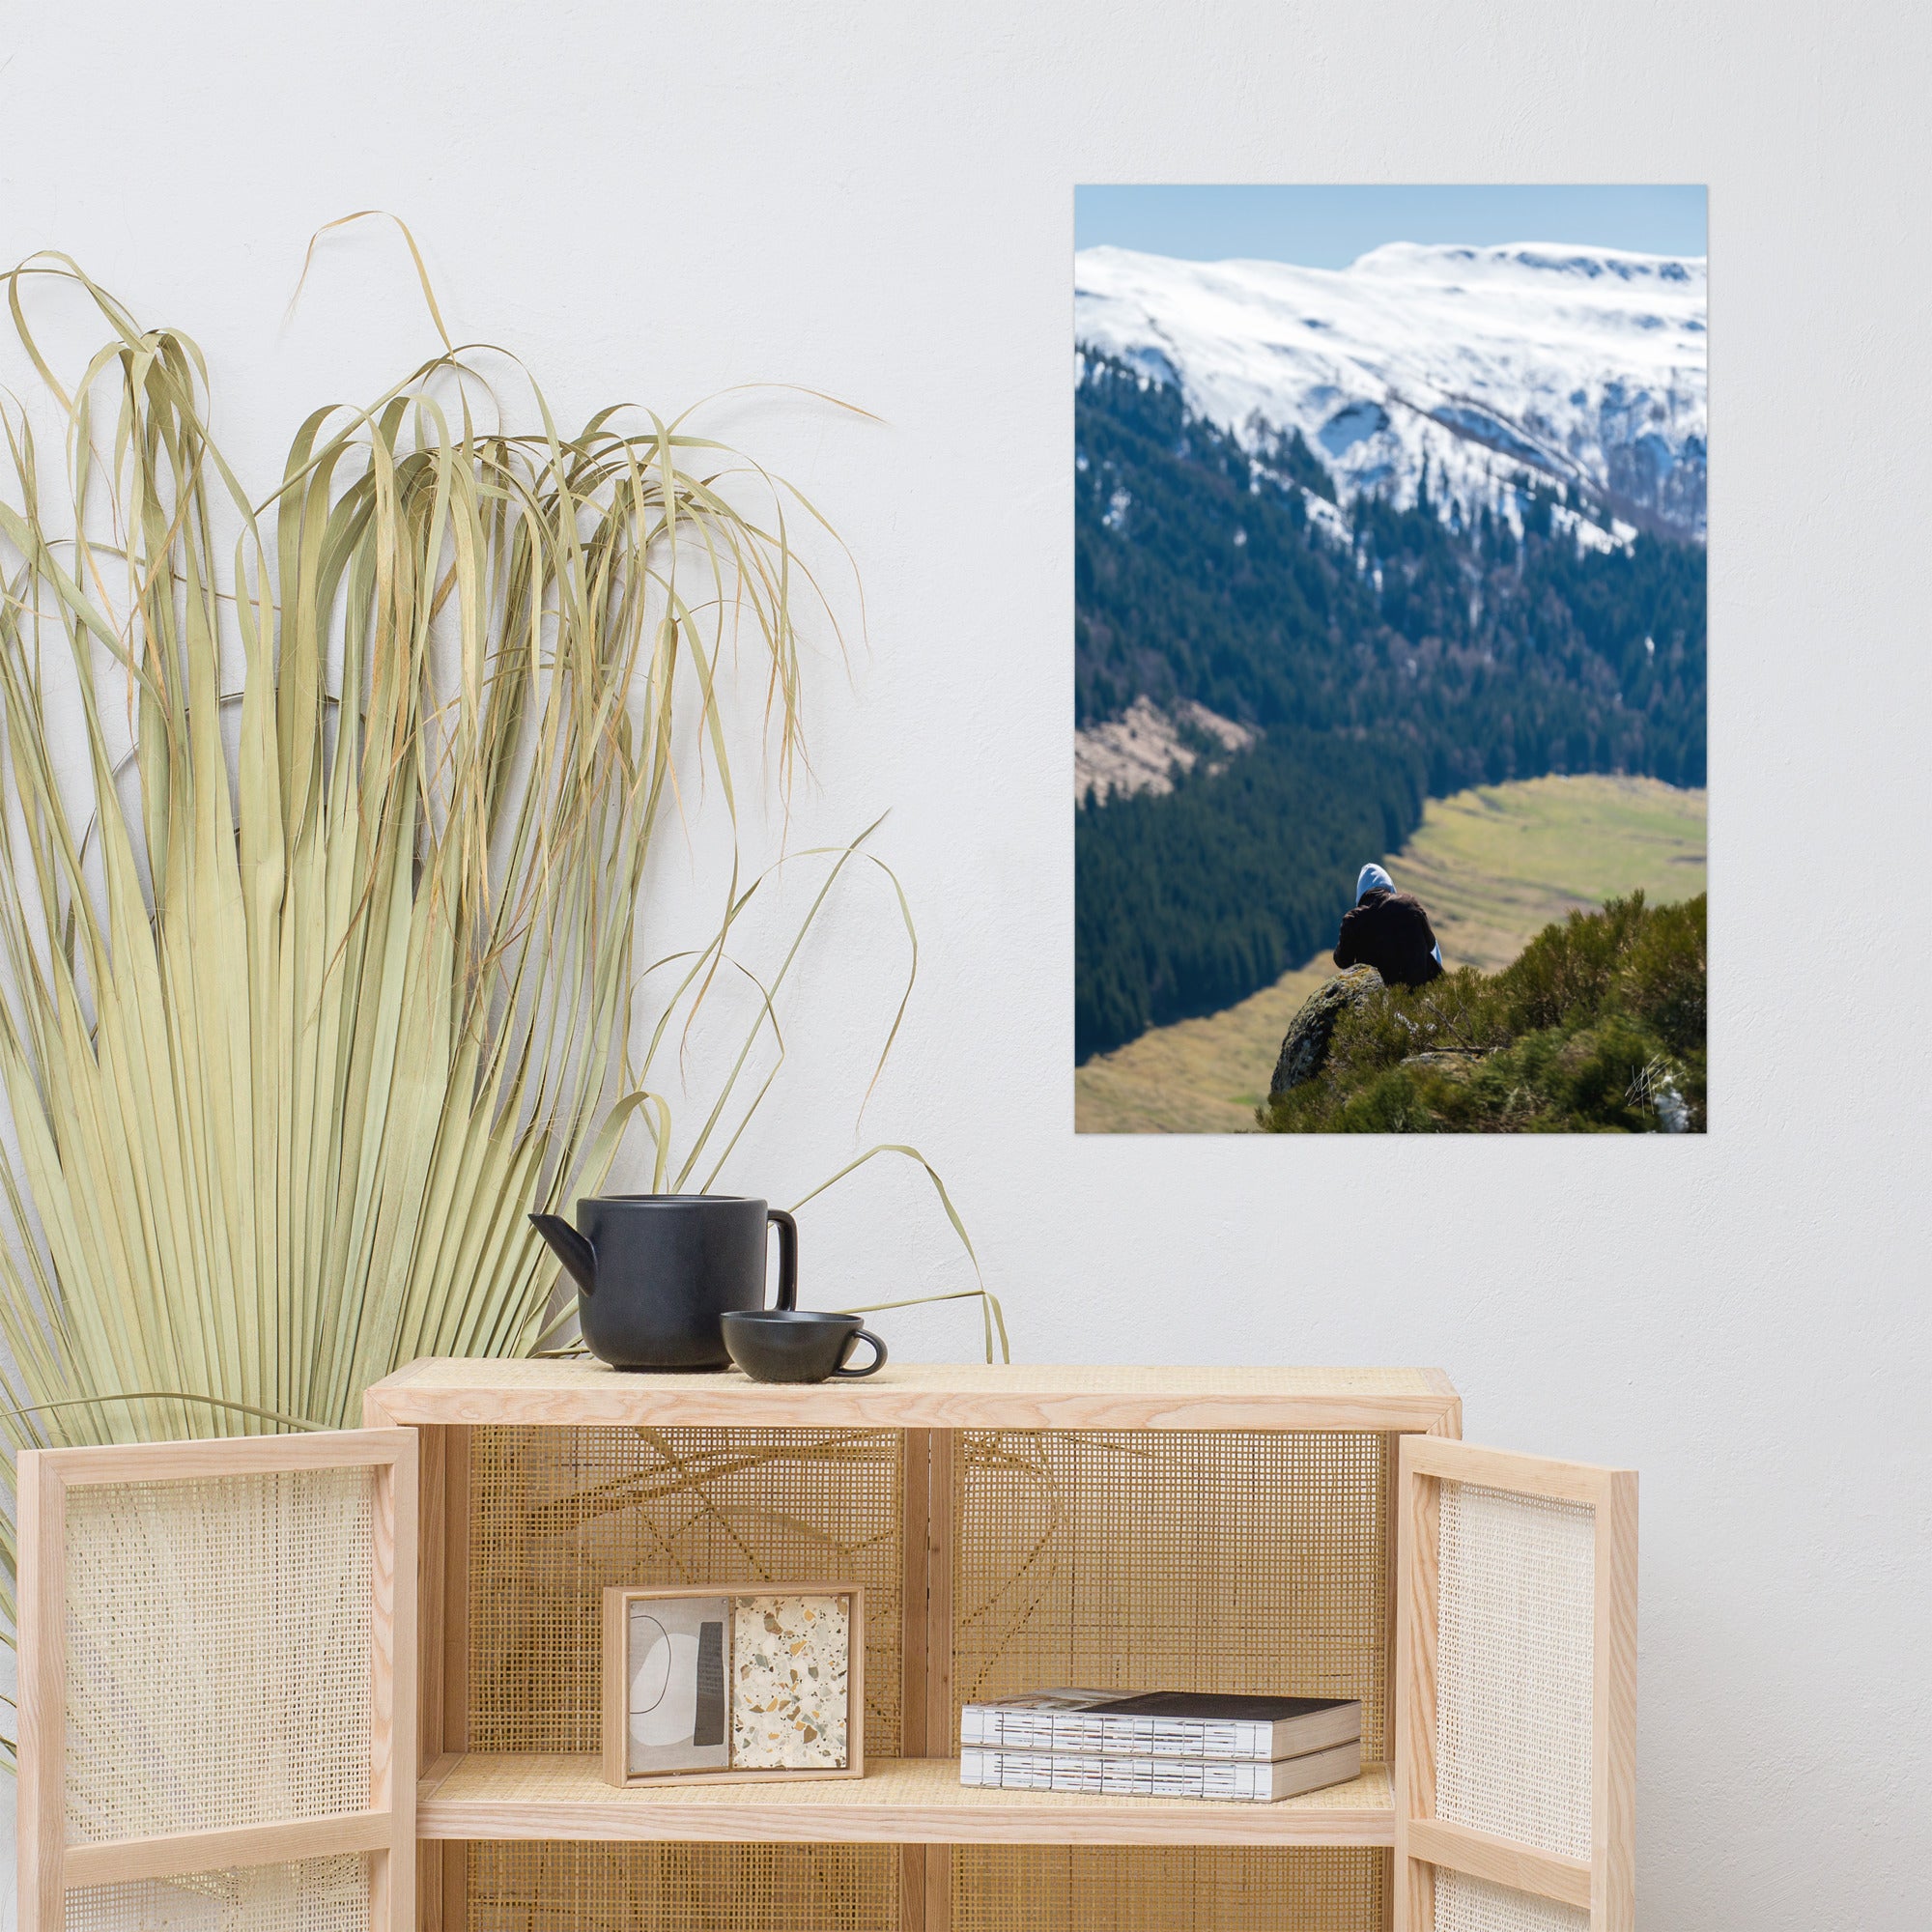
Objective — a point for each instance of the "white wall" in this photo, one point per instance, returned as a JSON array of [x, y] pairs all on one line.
[[876, 200]]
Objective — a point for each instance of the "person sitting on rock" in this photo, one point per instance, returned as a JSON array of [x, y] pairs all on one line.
[[1390, 931]]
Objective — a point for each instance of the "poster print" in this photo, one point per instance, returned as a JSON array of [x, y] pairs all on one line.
[[1389, 660]]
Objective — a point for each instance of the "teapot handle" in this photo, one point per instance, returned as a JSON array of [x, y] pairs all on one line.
[[787, 1257]]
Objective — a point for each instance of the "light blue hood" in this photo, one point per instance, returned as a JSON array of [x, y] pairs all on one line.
[[1374, 879]]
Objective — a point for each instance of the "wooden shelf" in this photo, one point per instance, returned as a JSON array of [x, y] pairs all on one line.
[[898, 1802], [534, 1394]]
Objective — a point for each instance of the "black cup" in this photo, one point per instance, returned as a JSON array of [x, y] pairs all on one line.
[[789, 1345]]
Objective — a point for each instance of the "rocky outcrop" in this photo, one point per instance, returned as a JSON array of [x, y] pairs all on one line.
[[1140, 750], [1304, 1047]]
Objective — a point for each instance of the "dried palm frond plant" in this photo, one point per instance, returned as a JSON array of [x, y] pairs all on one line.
[[319, 959]]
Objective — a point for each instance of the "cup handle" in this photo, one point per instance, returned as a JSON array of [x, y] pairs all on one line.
[[787, 1257], [872, 1367]]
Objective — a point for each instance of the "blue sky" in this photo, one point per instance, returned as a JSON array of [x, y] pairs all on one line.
[[1328, 227]]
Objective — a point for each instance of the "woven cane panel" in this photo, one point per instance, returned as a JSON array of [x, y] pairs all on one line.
[[557, 1515], [537, 1886], [314, 1896], [1118, 1889], [1514, 1667], [1173, 1560], [218, 1652], [1465, 1904]]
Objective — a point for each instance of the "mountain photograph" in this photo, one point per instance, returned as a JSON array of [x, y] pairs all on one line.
[[1389, 661]]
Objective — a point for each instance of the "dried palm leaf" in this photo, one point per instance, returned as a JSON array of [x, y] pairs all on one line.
[[320, 973]]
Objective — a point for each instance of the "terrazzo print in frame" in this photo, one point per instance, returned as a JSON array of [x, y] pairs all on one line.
[[790, 1682], [703, 1683]]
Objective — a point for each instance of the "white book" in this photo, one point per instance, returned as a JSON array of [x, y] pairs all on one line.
[[1231, 1782], [1162, 1724]]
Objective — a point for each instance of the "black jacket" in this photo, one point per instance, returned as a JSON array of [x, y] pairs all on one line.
[[1389, 931]]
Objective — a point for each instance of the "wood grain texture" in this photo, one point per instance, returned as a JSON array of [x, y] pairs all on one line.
[[41, 1641], [915, 1477], [453, 1877], [1414, 1904], [918, 1395], [442, 1867], [178, 1852], [456, 1514], [1613, 1763], [1501, 1861], [442, 1582], [393, 1710], [385, 1830], [855, 1681], [232, 1456], [898, 1802], [1605, 1885], [614, 1716], [443, 1633], [1417, 1513], [941, 1516], [442, 1874], [939, 1889], [925, 1717], [1392, 1576], [912, 1888], [1504, 1469], [432, 1583]]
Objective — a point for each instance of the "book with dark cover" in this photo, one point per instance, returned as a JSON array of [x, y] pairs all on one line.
[[1162, 1724]]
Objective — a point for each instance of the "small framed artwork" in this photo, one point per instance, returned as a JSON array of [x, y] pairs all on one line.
[[752, 1685]]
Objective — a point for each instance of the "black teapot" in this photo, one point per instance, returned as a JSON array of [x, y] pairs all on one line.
[[655, 1272]]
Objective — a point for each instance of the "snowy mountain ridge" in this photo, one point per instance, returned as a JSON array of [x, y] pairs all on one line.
[[1492, 366]]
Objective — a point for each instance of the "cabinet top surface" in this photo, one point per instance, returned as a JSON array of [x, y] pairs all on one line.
[[922, 1396]]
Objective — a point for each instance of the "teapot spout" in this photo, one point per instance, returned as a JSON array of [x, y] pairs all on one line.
[[570, 1248]]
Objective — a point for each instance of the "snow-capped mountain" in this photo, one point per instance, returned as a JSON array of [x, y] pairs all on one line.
[[1495, 365]]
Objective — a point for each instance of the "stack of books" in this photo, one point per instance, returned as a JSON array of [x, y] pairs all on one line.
[[1164, 1744]]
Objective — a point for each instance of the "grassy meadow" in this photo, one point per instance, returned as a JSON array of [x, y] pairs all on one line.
[[1494, 865]]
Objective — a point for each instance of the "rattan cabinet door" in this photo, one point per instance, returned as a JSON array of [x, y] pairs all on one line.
[[1515, 1692], [218, 1685]]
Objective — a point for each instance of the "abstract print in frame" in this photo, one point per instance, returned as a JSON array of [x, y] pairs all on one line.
[[1389, 660]]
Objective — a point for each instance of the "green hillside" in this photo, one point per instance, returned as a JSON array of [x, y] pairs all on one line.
[[1595, 1027], [1493, 866], [1384, 655]]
